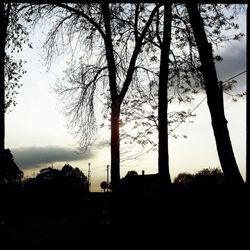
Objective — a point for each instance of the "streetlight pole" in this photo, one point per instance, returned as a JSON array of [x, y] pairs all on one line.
[[107, 175], [89, 174]]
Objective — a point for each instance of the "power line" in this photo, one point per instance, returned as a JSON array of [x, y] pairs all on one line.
[[188, 115], [143, 153], [235, 76], [203, 101]]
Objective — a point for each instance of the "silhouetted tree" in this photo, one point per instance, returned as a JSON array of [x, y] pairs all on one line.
[[10, 187], [99, 29], [163, 158], [116, 97], [9, 171], [47, 185], [140, 105], [75, 178], [13, 36], [68, 178], [184, 76], [105, 25], [3, 31], [214, 93], [208, 179], [247, 138], [163, 164], [63, 187]]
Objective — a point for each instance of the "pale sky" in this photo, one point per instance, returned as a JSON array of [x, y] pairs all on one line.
[[37, 135]]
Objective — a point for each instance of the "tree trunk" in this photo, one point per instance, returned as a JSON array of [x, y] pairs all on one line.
[[116, 103], [247, 134], [117, 98], [163, 159], [115, 145], [214, 99], [2, 84]]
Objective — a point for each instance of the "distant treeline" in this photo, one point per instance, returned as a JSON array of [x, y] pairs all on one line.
[[50, 188], [54, 191]]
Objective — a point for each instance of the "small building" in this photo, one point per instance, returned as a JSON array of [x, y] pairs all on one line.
[[140, 185]]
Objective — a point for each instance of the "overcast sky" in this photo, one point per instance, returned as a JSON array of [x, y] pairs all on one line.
[[37, 135]]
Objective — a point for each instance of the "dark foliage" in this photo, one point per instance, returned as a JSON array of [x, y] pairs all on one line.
[[208, 178], [51, 193], [184, 179], [58, 186], [9, 172], [203, 186], [10, 185], [16, 38]]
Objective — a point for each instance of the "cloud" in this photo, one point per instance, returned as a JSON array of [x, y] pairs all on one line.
[[234, 60], [34, 157]]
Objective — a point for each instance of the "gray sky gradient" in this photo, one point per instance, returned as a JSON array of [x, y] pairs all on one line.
[[234, 60]]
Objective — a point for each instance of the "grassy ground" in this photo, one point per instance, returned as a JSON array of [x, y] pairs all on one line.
[[90, 224], [72, 226]]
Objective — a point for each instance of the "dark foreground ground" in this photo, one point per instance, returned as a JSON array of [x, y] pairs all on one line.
[[130, 222]]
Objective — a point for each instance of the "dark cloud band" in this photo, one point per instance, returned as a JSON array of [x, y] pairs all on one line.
[[234, 61], [31, 157]]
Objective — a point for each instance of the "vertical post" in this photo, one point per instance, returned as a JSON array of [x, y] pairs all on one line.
[[89, 174], [107, 176]]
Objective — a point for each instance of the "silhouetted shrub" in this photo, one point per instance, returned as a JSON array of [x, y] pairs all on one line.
[[184, 179]]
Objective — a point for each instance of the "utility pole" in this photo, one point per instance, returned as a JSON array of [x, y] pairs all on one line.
[[89, 174], [107, 175]]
